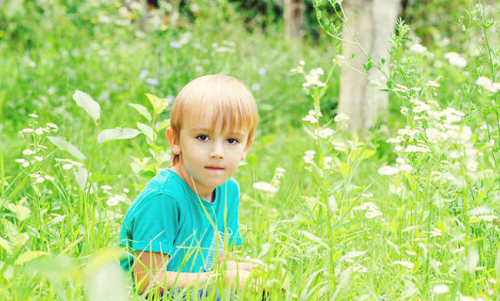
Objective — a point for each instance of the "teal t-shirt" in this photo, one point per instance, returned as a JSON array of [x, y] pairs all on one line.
[[169, 218]]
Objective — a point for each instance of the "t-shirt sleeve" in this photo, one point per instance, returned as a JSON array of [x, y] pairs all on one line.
[[236, 238], [155, 224]]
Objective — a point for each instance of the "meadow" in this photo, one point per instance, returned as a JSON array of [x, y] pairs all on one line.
[[405, 211]]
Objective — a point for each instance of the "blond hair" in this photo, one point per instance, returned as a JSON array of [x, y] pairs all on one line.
[[227, 99]]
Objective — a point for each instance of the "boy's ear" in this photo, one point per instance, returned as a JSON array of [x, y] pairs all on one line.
[[173, 140], [247, 148]]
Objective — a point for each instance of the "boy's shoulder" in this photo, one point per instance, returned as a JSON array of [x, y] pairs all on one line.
[[166, 185], [233, 184]]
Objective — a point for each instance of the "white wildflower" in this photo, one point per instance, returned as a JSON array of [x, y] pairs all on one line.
[[421, 108], [411, 253], [488, 218], [432, 83], [113, 201], [417, 48], [47, 177], [264, 186], [39, 180], [472, 165], [317, 71], [405, 168], [436, 232], [372, 214], [401, 88], [28, 152], [38, 158], [417, 149], [398, 139], [308, 158], [63, 160], [483, 81], [39, 131], [367, 195], [67, 166], [20, 161], [341, 117], [310, 119], [406, 264], [338, 146], [388, 170], [440, 289], [361, 207], [326, 162], [28, 130], [106, 187], [33, 115], [435, 175], [492, 281], [455, 154], [359, 268], [455, 59], [325, 133], [312, 79], [432, 135], [279, 171]]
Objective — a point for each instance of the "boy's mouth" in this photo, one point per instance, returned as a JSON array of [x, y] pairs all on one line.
[[215, 168]]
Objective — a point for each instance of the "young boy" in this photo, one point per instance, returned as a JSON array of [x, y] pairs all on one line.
[[185, 216]]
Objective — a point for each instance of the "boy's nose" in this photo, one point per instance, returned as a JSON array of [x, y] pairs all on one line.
[[217, 151]]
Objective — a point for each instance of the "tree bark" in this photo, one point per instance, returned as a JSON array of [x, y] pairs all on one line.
[[371, 22], [293, 19]]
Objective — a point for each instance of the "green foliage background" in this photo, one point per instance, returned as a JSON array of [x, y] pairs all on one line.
[[55, 237]]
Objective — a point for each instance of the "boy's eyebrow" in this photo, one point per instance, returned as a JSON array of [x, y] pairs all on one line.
[[210, 130]]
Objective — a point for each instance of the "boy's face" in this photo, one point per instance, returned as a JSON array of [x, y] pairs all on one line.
[[207, 157]]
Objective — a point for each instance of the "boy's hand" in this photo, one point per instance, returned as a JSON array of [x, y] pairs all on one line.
[[233, 265], [236, 279]]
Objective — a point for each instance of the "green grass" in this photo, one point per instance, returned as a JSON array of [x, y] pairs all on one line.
[[340, 230]]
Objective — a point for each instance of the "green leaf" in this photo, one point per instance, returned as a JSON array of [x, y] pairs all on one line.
[[363, 153], [159, 104], [163, 124], [148, 174], [19, 210], [28, 256], [5, 244], [314, 238], [146, 130], [368, 153], [116, 134], [343, 168], [85, 101], [63, 144], [142, 110], [354, 254]]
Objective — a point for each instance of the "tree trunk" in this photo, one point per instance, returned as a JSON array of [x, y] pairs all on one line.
[[371, 23], [293, 19]]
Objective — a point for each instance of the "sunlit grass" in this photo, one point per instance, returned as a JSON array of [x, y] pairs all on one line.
[[409, 211]]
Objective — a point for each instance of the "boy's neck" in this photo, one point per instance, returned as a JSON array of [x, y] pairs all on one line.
[[208, 196]]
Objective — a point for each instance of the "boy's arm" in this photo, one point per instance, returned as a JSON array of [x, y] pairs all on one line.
[[150, 272]]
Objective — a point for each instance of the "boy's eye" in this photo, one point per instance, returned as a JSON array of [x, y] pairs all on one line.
[[202, 137], [232, 141]]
